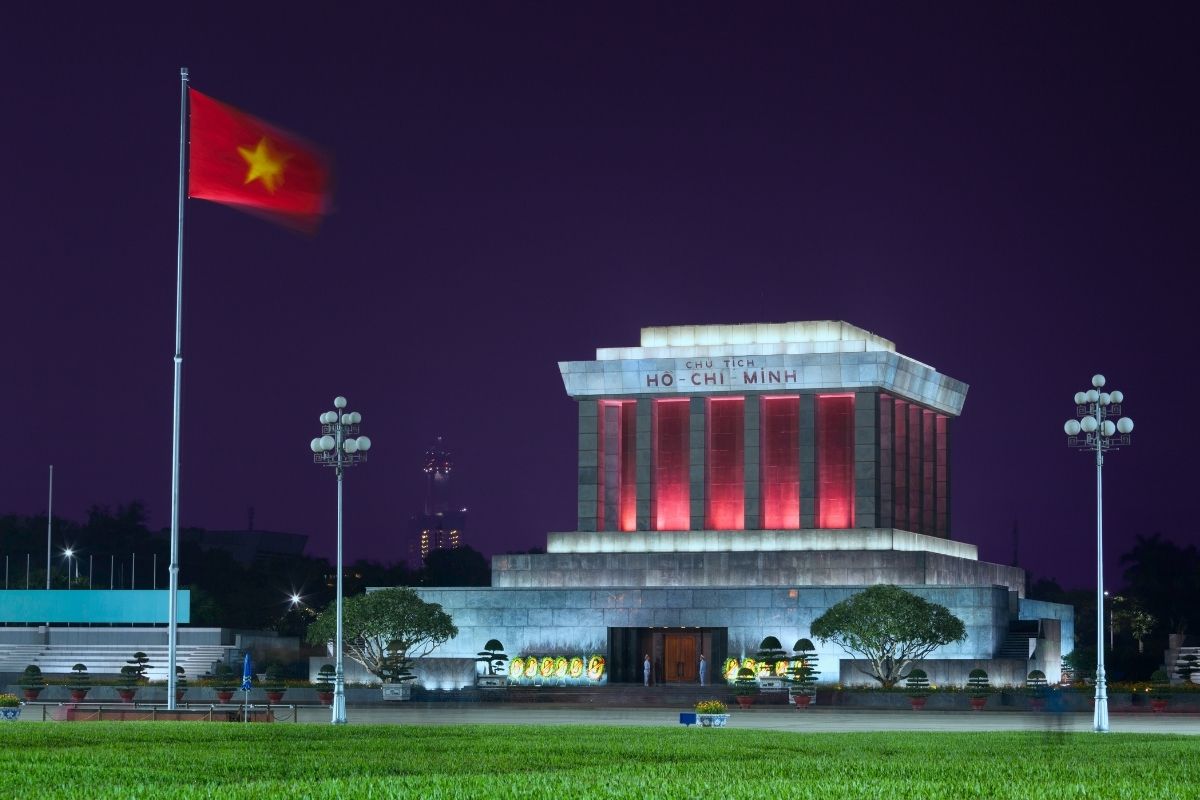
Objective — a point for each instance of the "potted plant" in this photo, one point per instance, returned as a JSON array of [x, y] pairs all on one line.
[[1187, 666], [80, 683], [274, 686], [224, 682], [396, 671], [10, 707], [1036, 686], [770, 657], [978, 688], [180, 683], [324, 684], [711, 714], [745, 687], [493, 658], [127, 684], [803, 674], [32, 682], [916, 686], [1160, 690]]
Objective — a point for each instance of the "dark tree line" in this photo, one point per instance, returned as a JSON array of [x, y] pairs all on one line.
[[224, 592]]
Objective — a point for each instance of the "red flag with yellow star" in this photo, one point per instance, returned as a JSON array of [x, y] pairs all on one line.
[[242, 161]]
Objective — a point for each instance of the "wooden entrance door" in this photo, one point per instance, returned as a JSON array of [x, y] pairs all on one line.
[[681, 654]]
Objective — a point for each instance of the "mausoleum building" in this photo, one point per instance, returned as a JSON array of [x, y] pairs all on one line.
[[734, 481]]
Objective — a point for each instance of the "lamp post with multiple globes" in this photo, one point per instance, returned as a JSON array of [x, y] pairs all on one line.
[[337, 447], [1099, 434]]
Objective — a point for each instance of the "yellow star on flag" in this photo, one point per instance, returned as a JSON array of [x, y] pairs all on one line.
[[264, 164]]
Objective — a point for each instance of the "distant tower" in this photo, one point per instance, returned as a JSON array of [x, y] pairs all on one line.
[[439, 526]]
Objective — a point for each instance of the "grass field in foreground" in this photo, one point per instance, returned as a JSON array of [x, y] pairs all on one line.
[[191, 760]]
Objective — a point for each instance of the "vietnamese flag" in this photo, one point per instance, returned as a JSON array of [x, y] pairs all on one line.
[[242, 161]]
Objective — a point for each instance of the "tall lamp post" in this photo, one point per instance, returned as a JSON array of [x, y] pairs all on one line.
[[337, 447], [1099, 434]]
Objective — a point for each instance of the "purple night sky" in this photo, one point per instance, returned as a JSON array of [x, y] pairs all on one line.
[[1008, 193]]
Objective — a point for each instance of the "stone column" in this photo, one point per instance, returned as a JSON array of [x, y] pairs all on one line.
[[866, 459], [645, 461], [698, 439], [588, 471], [611, 428], [887, 455], [750, 469], [808, 461]]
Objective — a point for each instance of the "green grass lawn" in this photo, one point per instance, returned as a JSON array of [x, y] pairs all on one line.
[[188, 760]]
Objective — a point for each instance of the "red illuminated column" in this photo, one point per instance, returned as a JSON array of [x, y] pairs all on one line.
[[724, 462], [928, 471], [835, 461], [915, 480], [900, 464], [779, 478], [670, 495]]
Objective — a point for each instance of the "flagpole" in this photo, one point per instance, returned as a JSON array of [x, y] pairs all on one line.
[[172, 594]]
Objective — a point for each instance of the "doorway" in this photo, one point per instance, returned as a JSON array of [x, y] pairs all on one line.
[[681, 657]]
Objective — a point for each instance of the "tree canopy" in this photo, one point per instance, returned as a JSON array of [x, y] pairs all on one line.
[[373, 622], [890, 628]]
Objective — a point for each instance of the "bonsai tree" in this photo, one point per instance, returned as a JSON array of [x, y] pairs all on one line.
[[1037, 687], [224, 682], [1187, 666], [396, 666], [32, 682], [374, 621], [916, 686], [80, 682], [180, 682], [274, 686], [889, 628], [493, 657], [745, 686], [1160, 689], [978, 688], [803, 675], [128, 682], [324, 683], [138, 664], [770, 652]]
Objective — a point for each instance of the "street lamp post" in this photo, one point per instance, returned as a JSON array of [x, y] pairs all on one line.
[[1100, 434], [337, 447], [69, 554]]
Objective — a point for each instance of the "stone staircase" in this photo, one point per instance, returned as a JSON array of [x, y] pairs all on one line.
[[1016, 642], [196, 660]]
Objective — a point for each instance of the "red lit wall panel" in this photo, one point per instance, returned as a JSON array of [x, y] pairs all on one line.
[[725, 495], [928, 470], [900, 465], [779, 475], [835, 461], [628, 461], [915, 482], [671, 459]]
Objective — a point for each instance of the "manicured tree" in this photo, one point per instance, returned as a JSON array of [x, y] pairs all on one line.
[[180, 682], [138, 666], [1186, 666], [374, 622], [978, 688], [916, 686], [32, 682], [324, 683], [803, 676], [770, 653], [493, 656], [890, 628], [745, 686], [80, 683]]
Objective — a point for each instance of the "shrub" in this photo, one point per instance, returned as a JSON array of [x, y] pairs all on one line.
[[274, 677], [32, 678], [746, 683], [493, 658], [770, 652], [1035, 683], [325, 678], [804, 674], [977, 683], [223, 678], [710, 707], [1160, 684], [9, 701], [917, 683], [80, 680], [137, 666]]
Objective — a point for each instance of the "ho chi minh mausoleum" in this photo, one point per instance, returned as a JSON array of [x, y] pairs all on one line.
[[734, 482]]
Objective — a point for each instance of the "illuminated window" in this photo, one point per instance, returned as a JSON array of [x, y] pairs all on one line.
[[835, 461], [725, 464], [779, 475], [671, 459]]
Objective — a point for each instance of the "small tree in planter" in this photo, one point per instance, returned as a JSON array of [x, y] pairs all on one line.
[[80, 683], [396, 672], [803, 676], [127, 684], [745, 687], [324, 684], [32, 682], [140, 664], [1160, 690], [493, 658], [770, 654], [224, 682], [1187, 666], [916, 686], [180, 683], [1037, 687], [978, 688], [274, 686]]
